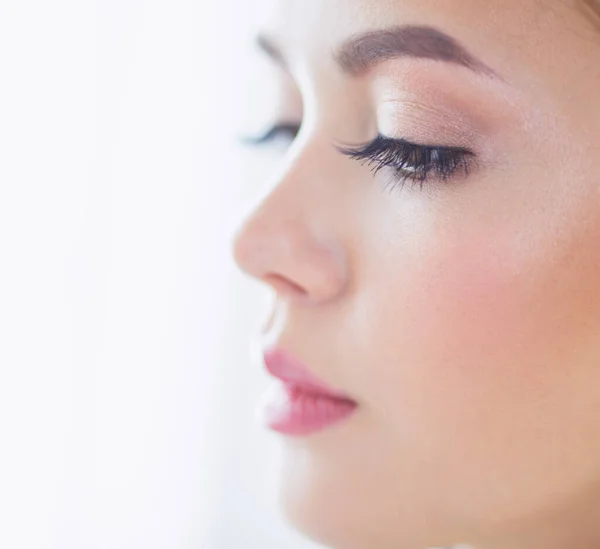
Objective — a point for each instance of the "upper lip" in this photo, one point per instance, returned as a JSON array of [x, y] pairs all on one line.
[[284, 366]]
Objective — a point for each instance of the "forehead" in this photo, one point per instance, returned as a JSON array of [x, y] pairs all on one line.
[[505, 33]]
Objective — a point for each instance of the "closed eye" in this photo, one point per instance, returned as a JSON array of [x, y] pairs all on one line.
[[410, 161], [284, 132]]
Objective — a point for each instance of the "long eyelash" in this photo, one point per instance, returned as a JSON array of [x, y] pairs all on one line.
[[411, 162], [285, 130]]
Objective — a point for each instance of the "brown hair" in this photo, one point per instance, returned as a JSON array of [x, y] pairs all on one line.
[[591, 8]]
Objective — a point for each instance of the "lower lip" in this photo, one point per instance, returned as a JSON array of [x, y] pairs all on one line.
[[296, 411]]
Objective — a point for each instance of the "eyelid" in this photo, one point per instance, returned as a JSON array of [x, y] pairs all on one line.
[[424, 122], [410, 161], [345, 148]]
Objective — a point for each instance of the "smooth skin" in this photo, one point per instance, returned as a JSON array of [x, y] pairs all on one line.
[[463, 316]]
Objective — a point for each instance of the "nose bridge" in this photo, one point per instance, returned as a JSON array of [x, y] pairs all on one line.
[[290, 240]]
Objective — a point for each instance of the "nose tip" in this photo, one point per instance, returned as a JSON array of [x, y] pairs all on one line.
[[248, 250], [290, 259]]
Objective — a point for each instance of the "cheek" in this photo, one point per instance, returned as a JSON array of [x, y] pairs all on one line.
[[473, 302], [495, 304], [451, 305], [476, 323], [455, 332], [474, 355]]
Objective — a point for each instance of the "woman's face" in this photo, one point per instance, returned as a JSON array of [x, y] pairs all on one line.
[[452, 291]]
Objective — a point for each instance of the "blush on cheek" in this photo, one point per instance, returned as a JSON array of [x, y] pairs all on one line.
[[462, 351], [453, 328], [478, 305]]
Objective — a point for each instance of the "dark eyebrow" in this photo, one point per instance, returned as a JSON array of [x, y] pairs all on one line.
[[363, 52]]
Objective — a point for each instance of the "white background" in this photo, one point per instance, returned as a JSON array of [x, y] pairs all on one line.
[[126, 391]]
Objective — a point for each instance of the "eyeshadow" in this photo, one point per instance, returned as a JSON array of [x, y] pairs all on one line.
[[434, 106]]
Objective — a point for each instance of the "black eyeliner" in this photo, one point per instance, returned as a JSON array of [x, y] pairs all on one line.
[[410, 161]]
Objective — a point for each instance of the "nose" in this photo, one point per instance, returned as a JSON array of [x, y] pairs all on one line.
[[290, 241]]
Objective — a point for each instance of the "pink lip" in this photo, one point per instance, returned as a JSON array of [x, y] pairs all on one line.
[[300, 404]]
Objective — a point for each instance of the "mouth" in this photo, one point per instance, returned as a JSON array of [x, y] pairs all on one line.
[[298, 403]]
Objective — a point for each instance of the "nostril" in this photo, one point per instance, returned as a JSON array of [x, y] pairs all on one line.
[[285, 286]]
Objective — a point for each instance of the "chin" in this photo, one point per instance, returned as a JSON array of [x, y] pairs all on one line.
[[340, 508]]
